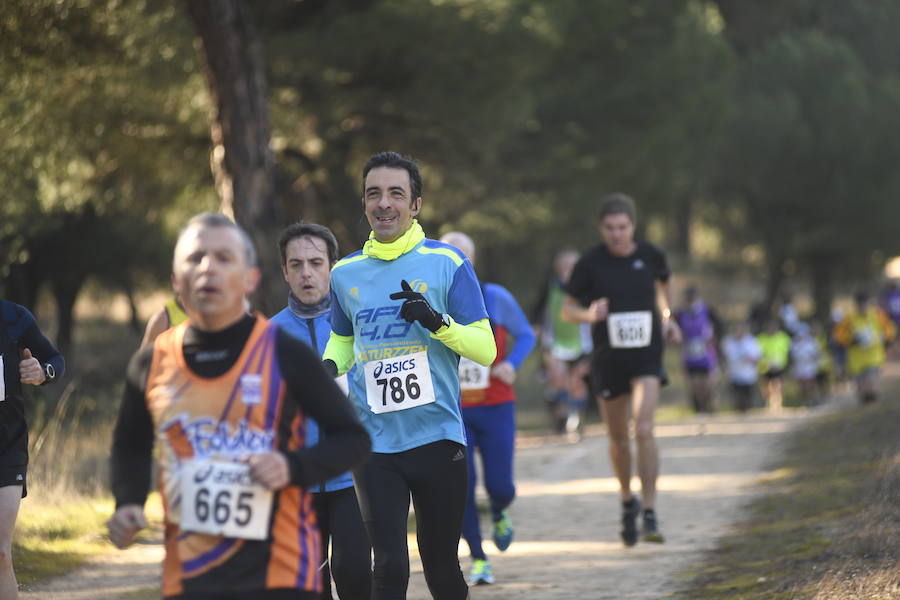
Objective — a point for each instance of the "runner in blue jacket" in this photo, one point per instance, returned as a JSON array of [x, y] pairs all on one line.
[[308, 251]]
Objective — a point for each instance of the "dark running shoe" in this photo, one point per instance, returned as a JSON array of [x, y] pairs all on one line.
[[630, 511], [503, 531], [650, 531]]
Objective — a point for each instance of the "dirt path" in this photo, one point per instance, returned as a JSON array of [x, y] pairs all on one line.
[[106, 578], [566, 513], [566, 518]]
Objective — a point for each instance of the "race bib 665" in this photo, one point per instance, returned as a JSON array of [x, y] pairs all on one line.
[[220, 498]]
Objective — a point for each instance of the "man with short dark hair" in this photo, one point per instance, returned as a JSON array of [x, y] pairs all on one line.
[[406, 308], [26, 356], [226, 396], [621, 286], [308, 251]]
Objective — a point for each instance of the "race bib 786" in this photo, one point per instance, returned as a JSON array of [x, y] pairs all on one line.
[[398, 383]]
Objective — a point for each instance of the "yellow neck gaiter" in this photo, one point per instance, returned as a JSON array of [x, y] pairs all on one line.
[[398, 247]]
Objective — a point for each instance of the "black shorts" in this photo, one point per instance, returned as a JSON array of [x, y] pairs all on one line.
[[773, 374], [14, 475], [697, 370], [612, 371]]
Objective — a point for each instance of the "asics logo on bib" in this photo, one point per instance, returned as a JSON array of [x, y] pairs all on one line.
[[208, 436], [392, 368], [224, 477]]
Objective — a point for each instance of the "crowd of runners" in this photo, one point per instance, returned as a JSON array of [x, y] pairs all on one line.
[[760, 356], [289, 448]]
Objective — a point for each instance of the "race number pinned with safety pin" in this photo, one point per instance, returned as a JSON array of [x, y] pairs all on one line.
[[630, 329], [221, 498], [398, 383], [473, 376]]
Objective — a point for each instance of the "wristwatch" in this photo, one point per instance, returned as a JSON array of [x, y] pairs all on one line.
[[49, 372]]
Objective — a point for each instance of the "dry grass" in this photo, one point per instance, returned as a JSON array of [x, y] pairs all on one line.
[[828, 526], [61, 522]]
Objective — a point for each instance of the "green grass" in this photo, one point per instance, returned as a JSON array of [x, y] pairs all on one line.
[[52, 539], [61, 523], [59, 534], [827, 525]]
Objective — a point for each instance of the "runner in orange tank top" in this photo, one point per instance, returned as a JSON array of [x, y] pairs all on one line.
[[225, 396]]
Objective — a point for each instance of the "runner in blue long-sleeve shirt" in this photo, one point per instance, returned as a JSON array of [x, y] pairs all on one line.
[[489, 414]]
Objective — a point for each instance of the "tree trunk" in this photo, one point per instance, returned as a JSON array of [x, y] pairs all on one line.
[[683, 218], [241, 162], [822, 275], [774, 278], [133, 320], [65, 295]]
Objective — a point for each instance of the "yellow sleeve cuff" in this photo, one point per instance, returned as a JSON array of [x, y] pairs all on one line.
[[340, 350], [474, 341]]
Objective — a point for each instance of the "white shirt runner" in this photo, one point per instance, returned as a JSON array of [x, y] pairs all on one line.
[[220, 498], [630, 329], [398, 383]]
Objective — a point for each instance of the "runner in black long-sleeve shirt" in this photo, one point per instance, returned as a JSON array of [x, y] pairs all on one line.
[[26, 356], [226, 398]]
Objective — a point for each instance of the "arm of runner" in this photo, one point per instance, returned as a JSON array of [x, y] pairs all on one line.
[[339, 350], [510, 316], [125, 523], [345, 443], [475, 341], [131, 456], [158, 323], [40, 353], [465, 304], [671, 331], [573, 312]]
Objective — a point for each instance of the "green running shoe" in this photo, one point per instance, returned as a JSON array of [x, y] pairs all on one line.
[[650, 530], [503, 531], [481, 573]]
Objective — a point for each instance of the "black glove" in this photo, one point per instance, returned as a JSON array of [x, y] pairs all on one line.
[[416, 308], [330, 367]]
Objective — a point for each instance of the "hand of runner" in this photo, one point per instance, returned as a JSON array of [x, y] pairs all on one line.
[[330, 367], [416, 308], [599, 309], [505, 372], [124, 525], [30, 370], [672, 331], [270, 469]]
